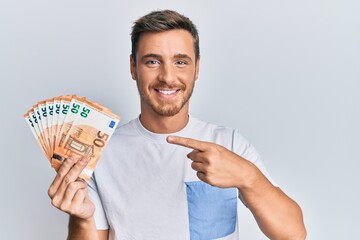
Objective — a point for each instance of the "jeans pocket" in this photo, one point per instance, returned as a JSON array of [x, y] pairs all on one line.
[[212, 210]]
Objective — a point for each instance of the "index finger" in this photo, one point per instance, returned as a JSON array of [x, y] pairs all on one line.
[[188, 142]]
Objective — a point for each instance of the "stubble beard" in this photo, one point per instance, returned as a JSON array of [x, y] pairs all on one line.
[[166, 108]]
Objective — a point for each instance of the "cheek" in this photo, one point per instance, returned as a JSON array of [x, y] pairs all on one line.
[[143, 81], [187, 74], [147, 76]]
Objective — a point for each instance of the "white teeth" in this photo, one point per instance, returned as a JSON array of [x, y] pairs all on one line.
[[167, 92]]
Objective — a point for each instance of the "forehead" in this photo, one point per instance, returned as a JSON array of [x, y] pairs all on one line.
[[168, 43]]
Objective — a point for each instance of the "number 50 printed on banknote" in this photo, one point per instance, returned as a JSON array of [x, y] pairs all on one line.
[[72, 126]]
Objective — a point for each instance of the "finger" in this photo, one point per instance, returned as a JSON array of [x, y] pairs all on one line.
[[72, 175], [63, 170], [79, 197], [202, 176], [197, 166], [77, 204], [70, 193], [188, 142], [195, 155]]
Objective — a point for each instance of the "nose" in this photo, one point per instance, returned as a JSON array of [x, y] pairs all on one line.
[[167, 73]]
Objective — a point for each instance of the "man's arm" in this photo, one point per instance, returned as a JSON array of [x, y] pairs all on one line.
[[69, 194], [278, 216], [80, 229]]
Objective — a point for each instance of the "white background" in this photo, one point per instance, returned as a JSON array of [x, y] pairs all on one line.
[[286, 73]]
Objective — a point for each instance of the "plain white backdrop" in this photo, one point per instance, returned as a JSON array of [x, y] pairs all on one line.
[[286, 73]]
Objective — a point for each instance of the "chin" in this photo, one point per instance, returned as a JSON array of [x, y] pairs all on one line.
[[167, 112]]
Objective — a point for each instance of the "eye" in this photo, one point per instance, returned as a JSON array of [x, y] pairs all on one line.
[[152, 62], [181, 63]]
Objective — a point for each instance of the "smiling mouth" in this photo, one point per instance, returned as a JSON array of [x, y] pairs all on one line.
[[166, 91]]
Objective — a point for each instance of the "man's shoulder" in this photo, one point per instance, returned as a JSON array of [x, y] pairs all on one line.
[[125, 129]]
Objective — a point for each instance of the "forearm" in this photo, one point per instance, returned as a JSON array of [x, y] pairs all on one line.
[[82, 229], [278, 216]]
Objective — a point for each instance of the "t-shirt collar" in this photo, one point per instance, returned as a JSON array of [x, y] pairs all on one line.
[[161, 137]]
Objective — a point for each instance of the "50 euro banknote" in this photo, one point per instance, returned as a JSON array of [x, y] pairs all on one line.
[[72, 126]]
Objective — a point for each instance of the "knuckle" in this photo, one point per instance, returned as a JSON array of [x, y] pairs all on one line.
[[80, 165], [72, 186], [64, 207], [50, 192], [67, 179], [82, 192], [55, 202], [76, 185], [194, 166], [66, 164], [60, 174], [206, 159], [70, 160]]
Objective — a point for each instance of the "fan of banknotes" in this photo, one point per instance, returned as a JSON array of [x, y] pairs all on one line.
[[72, 126]]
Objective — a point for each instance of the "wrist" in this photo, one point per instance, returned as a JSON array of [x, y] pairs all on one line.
[[251, 177], [81, 229], [81, 222]]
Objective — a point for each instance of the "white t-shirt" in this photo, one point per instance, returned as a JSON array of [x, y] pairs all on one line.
[[145, 188]]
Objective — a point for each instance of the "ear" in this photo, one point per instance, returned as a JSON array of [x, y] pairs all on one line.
[[133, 68], [197, 65]]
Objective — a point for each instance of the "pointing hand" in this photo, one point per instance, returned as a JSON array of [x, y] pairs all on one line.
[[215, 164]]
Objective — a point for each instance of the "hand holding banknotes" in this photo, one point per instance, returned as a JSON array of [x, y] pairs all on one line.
[[73, 132], [68, 192]]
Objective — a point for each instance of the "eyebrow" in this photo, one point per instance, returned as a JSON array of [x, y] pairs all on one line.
[[157, 56], [181, 55], [151, 55]]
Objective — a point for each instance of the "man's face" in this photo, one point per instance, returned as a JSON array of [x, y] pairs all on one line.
[[165, 71]]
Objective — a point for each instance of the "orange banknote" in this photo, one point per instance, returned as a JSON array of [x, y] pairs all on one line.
[[68, 125]]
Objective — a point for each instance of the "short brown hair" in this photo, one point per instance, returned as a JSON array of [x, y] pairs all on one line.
[[160, 21]]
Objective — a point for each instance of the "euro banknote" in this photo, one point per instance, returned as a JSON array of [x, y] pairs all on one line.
[[69, 125]]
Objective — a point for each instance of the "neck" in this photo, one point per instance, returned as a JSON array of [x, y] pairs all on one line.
[[163, 124]]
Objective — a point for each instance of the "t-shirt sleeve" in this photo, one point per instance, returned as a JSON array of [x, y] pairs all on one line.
[[99, 215], [242, 147]]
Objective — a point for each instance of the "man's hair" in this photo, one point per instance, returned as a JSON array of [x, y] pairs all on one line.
[[160, 21]]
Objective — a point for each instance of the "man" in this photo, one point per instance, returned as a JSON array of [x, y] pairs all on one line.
[[167, 175]]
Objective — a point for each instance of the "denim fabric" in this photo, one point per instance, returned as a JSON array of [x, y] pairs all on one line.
[[212, 210]]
